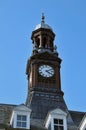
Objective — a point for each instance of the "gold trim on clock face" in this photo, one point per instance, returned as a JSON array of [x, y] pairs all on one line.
[[46, 71]]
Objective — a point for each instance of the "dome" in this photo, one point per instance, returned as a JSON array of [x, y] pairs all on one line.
[[43, 25]]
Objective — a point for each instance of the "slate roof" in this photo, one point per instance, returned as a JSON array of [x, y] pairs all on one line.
[[77, 116], [6, 111]]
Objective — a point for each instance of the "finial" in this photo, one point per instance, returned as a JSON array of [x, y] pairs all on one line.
[[43, 17]]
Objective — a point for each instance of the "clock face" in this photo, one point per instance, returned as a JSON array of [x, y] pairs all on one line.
[[46, 71]]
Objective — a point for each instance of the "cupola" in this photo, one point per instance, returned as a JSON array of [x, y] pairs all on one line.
[[43, 37]]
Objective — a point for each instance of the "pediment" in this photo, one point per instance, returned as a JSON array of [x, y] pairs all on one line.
[[58, 112], [22, 107]]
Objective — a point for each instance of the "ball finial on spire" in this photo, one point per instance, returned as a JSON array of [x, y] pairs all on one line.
[[43, 17]]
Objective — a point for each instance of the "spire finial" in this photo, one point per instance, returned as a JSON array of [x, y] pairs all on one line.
[[43, 17]]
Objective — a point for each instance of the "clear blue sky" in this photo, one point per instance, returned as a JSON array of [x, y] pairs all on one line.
[[17, 21]]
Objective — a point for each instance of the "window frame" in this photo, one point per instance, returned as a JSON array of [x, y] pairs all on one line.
[[21, 121], [58, 124], [60, 117]]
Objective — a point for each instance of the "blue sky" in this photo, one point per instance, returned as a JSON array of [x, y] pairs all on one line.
[[18, 19]]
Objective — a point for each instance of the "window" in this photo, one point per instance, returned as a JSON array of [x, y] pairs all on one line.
[[20, 117], [38, 42], [21, 121], [44, 42], [57, 120], [58, 124]]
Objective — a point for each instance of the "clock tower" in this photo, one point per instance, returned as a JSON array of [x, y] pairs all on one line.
[[43, 74]]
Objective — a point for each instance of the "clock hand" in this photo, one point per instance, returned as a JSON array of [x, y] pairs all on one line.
[[48, 71]]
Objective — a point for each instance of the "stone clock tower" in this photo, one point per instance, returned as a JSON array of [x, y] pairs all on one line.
[[43, 72]]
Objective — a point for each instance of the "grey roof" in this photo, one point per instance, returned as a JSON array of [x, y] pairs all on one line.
[[6, 111], [43, 24], [77, 116]]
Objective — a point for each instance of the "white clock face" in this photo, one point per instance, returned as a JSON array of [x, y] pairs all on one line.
[[46, 71]]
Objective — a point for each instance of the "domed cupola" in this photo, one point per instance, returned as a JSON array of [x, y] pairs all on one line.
[[43, 37], [43, 25]]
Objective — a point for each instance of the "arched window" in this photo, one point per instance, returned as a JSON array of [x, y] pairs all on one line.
[[51, 44], [44, 42], [38, 42]]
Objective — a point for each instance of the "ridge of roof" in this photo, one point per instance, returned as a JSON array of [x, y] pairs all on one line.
[[74, 111], [8, 104]]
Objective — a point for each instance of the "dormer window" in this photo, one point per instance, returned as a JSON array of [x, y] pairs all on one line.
[[21, 117], [56, 120]]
